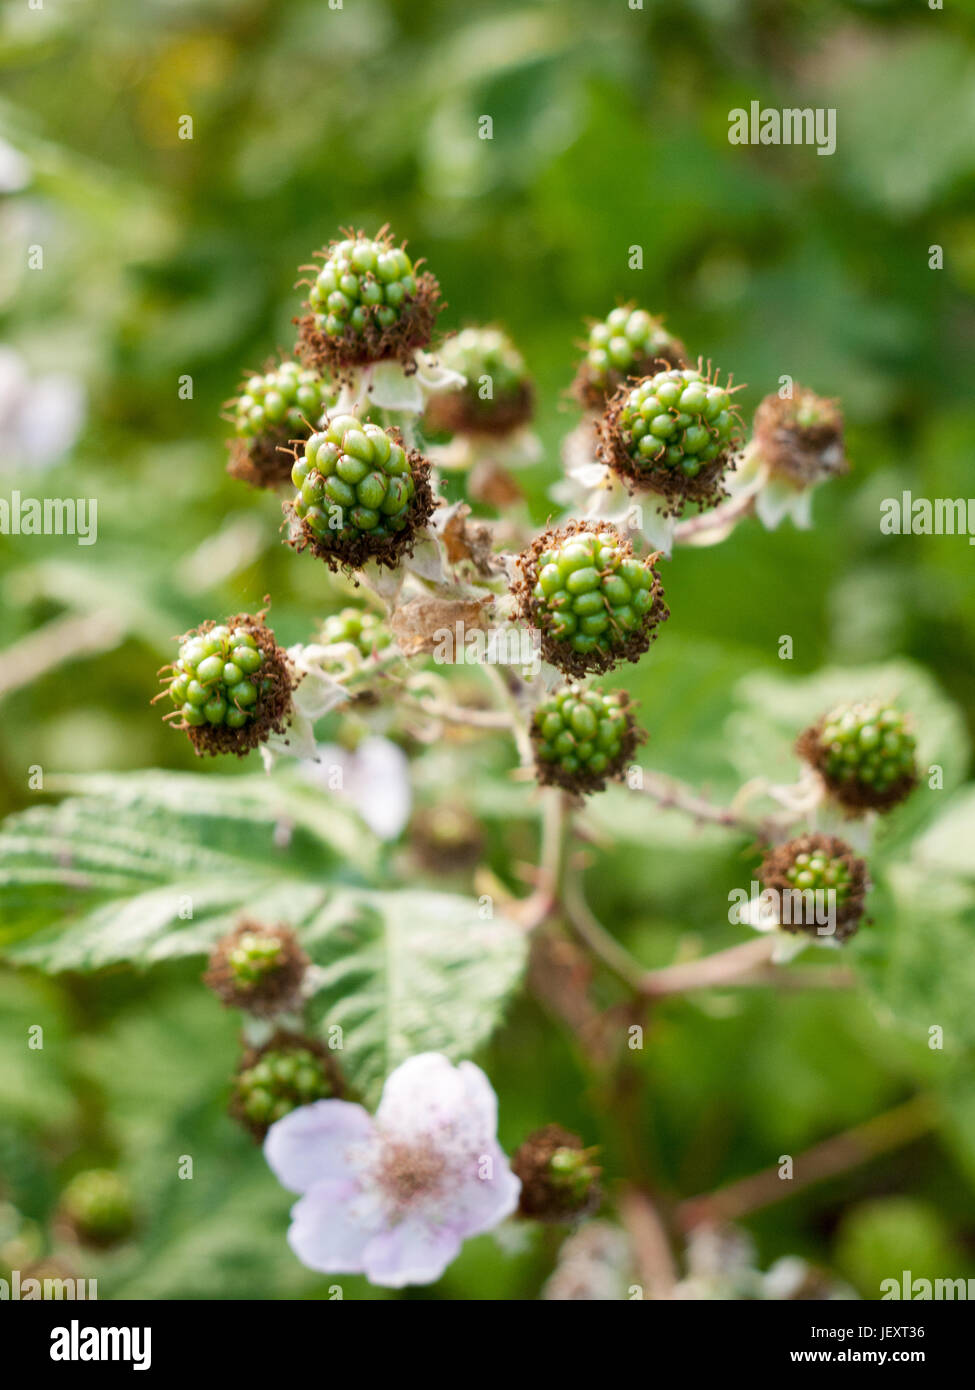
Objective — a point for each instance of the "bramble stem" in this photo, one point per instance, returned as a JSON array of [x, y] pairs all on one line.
[[828, 1159], [651, 1246], [672, 794]]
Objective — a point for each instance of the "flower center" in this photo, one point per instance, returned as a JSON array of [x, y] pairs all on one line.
[[407, 1173]]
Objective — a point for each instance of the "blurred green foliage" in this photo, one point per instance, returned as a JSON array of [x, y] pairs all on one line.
[[166, 257]]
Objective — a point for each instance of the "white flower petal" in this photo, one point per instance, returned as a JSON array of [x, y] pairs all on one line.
[[411, 1253], [789, 945], [425, 1092], [316, 1142], [776, 500], [658, 529], [375, 778], [327, 1232], [392, 389], [51, 418]]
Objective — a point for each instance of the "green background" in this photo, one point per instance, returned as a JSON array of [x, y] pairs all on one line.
[[165, 257]]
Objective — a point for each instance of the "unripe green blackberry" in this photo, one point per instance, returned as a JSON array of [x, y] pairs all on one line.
[[497, 397], [446, 838], [818, 882], [673, 434], [593, 602], [865, 753], [559, 1181], [288, 1071], [97, 1205], [367, 301], [274, 407], [360, 495], [629, 342], [231, 685], [583, 737], [800, 438], [360, 626], [257, 968]]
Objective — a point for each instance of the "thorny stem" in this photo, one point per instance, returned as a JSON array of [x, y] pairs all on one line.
[[672, 794], [828, 1159]]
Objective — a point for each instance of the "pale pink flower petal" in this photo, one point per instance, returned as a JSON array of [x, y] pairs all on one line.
[[316, 1142], [410, 1253], [326, 1231]]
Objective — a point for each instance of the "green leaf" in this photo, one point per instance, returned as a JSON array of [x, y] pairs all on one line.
[[920, 962], [399, 972], [946, 846], [127, 857], [406, 972]]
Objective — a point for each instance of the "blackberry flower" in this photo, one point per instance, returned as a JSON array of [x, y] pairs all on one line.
[[231, 684], [674, 434], [360, 495], [593, 602], [629, 342], [274, 407], [865, 753], [583, 737], [368, 302], [394, 1196]]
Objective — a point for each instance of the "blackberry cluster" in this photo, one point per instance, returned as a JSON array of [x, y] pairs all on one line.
[[272, 409], [628, 342], [801, 437], [672, 433], [231, 685], [287, 1072], [815, 876], [865, 753], [582, 737], [257, 968], [363, 628], [368, 301], [559, 1181], [483, 356], [97, 1205], [279, 400], [593, 601], [360, 494]]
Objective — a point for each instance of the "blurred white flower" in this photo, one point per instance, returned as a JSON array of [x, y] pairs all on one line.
[[15, 170], [375, 778], [393, 1196], [40, 418]]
